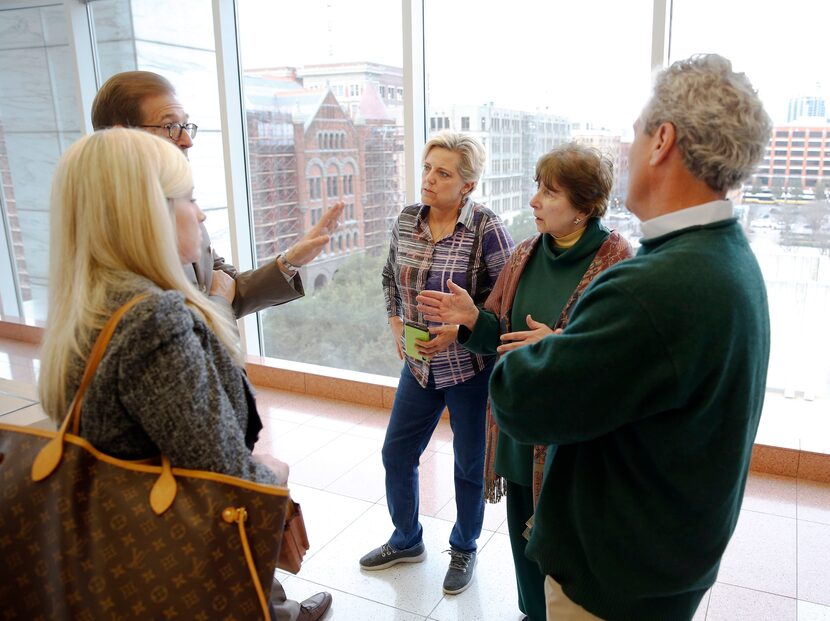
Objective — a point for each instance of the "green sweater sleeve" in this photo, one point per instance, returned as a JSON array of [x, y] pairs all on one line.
[[484, 337], [545, 394]]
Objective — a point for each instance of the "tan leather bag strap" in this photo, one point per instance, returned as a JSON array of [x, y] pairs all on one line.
[[95, 357], [239, 516], [50, 456]]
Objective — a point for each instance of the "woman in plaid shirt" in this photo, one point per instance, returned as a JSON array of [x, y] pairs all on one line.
[[447, 236]]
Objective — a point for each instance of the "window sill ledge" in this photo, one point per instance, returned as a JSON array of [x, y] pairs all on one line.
[[783, 446]]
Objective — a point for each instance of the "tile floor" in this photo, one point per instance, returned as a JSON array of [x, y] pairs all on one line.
[[776, 568]]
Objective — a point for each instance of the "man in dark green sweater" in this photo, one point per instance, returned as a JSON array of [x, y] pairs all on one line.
[[653, 393]]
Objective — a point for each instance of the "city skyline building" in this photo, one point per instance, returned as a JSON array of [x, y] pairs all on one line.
[[808, 109], [612, 145], [348, 81], [796, 157], [513, 141]]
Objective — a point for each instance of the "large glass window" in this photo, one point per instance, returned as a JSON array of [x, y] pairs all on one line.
[[324, 111], [145, 35], [784, 207], [39, 119], [560, 72]]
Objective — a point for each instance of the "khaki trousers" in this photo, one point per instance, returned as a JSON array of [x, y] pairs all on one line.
[[562, 608]]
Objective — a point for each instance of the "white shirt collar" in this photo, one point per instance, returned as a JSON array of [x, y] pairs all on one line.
[[706, 213]]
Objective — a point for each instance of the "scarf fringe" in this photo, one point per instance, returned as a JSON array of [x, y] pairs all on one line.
[[495, 490]]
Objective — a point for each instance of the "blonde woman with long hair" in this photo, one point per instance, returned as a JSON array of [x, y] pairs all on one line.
[[123, 222]]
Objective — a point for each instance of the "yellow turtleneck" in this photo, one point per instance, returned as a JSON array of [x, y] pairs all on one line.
[[567, 241]]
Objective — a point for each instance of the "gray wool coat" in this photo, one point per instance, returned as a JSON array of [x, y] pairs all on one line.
[[166, 384]]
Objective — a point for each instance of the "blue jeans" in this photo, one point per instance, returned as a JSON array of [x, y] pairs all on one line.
[[415, 414]]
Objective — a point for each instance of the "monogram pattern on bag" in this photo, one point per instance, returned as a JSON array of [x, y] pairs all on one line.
[[84, 544]]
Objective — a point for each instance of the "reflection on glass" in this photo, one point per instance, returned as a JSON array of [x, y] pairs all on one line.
[[140, 35], [539, 75], [39, 119], [324, 113], [784, 207]]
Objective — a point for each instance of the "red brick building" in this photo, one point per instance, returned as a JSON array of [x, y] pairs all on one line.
[[307, 152]]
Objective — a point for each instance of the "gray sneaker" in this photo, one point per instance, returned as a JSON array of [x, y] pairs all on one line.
[[386, 556], [460, 574]]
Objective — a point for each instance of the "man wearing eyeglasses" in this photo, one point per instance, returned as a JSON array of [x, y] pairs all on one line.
[[147, 100]]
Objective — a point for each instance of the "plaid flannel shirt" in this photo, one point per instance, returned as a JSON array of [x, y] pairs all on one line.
[[473, 255]]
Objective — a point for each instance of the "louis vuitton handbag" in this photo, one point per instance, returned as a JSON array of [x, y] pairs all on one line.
[[85, 536]]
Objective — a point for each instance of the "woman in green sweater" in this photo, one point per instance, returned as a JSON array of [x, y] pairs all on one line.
[[534, 296]]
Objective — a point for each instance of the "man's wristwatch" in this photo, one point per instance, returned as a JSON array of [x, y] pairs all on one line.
[[288, 265]]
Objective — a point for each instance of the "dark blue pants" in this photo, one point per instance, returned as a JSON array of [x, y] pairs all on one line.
[[415, 414]]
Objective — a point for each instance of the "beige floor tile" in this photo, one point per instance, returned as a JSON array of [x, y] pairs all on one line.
[[494, 515], [437, 483], [731, 603], [768, 493], [325, 514], [411, 587], [12, 403], [814, 501], [322, 467], [441, 436], [31, 415], [373, 426], [814, 562], [285, 407], [365, 481], [808, 611], [445, 447], [271, 432], [700, 613], [19, 348], [762, 554], [25, 373], [297, 444], [19, 389], [339, 416], [345, 606]]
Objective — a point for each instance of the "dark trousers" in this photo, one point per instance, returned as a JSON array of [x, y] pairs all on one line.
[[529, 579], [415, 414]]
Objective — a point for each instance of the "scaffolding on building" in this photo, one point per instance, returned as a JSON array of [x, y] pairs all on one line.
[[273, 172], [383, 193], [8, 204]]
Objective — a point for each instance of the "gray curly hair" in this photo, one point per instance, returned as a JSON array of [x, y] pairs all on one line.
[[720, 122]]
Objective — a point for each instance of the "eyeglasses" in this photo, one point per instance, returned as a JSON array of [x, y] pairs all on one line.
[[174, 130]]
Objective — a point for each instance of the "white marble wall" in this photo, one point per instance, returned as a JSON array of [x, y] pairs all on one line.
[[40, 118], [40, 114]]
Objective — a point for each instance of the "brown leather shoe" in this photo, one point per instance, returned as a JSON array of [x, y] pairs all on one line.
[[314, 607]]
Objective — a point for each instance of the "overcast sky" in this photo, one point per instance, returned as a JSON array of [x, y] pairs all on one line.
[[588, 60]]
